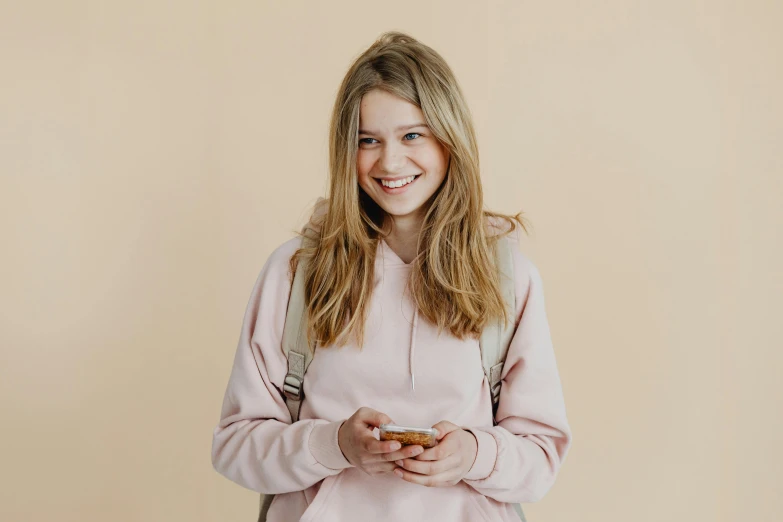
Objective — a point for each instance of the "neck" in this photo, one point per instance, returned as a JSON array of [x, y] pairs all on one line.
[[404, 236]]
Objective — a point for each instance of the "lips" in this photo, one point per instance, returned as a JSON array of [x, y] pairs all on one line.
[[379, 180], [397, 190]]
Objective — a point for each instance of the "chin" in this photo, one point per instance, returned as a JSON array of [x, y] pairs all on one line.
[[402, 211]]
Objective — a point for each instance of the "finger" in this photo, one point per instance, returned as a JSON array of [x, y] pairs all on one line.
[[375, 446], [444, 428], [391, 457], [373, 417], [407, 452], [429, 467], [446, 478], [446, 448]]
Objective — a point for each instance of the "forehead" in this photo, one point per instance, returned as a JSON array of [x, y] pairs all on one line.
[[380, 110]]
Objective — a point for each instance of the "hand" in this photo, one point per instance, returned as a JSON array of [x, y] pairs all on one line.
[[361, 448], [445, 464]]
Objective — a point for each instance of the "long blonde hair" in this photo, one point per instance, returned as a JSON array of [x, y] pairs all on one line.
[[453, 281]]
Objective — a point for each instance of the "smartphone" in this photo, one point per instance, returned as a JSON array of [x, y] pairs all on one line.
[[425, 437]]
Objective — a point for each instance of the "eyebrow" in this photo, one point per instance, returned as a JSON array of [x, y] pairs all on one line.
[[401, 127]]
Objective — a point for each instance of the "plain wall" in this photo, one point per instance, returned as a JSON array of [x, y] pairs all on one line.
[[153, 154]]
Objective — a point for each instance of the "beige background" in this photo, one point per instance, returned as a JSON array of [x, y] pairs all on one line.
[[152, 154]]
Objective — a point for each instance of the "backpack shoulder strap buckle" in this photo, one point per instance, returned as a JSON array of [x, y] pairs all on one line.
[[293, 385], [292, 388]]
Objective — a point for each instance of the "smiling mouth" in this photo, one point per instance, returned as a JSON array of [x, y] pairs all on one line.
[[379, 181]]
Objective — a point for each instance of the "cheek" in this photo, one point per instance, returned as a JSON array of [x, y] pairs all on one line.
[[363, 166], [433, 160]]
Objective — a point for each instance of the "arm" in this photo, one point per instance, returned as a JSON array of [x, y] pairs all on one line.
[[255, 444], [518, 460]]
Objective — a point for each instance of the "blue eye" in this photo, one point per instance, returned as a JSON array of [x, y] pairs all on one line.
[[366, 142]]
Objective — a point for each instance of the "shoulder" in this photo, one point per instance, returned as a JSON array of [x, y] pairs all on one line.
[[282, 253], [267, 305], [527, 277], [524, 268], [274, 276]]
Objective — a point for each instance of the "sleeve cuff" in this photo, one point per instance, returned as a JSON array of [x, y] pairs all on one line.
[[485, 457], [325, 448]]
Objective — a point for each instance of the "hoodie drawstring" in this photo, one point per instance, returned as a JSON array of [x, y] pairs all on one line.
[[413, 348]]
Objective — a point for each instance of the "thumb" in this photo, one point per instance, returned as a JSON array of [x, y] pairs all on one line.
[[444, 428], [374, 418]]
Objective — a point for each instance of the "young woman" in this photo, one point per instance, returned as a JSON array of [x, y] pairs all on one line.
[[401, 280]]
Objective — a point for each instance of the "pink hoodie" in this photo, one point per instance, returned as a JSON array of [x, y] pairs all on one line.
[[407, 372]]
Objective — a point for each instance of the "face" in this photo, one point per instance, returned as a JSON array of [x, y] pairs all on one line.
[[395, 144]]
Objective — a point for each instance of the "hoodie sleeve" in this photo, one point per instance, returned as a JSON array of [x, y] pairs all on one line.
[[518, 460], [255, 444]]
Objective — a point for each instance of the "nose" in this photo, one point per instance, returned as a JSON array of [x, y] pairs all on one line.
[[392, 158]]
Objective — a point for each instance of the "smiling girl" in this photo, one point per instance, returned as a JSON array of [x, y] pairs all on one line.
[[399, 283]]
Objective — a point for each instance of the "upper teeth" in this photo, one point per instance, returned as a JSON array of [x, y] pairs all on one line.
[[398, 183]]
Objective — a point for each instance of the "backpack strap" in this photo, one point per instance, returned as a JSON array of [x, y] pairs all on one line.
[[494, 338], [265, 504], [298, 352]]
